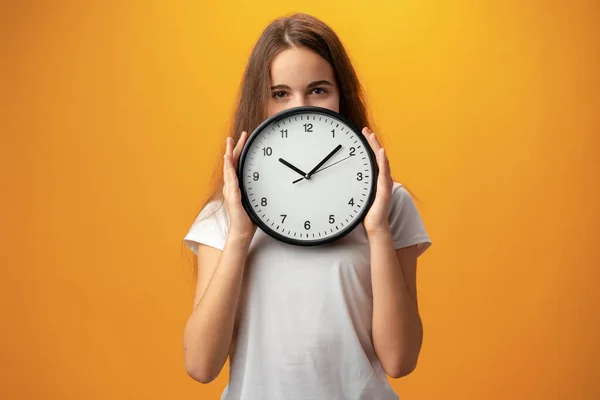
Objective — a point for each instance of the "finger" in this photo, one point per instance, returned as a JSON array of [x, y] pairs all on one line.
[[374, 141], [384, 164], [226, 161], [239, 146], [225, 172], [233, 173], [366, 132], [229, 146], [232, 180], [384, 179]]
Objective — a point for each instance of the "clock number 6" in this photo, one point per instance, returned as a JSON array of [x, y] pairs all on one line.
[[307, 225]]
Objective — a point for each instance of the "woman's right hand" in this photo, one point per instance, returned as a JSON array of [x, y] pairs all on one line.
[[240, 224]]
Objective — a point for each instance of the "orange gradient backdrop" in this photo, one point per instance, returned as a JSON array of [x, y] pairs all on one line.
[[114, 112]]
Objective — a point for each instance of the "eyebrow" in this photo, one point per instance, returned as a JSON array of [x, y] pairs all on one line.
[[309, 86]]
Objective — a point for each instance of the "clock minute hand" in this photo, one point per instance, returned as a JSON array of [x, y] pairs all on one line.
[[323, 161], [287, 164]]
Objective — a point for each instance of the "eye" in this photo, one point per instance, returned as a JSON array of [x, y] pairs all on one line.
[[278, 95], [320, 90]]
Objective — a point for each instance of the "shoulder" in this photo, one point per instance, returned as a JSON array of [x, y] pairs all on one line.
[[210, 226], [406, 223], [214, 209], [399, 188], [400, 195]]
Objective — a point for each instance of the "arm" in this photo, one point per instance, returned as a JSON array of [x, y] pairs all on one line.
[[209, 330], [397, 327]]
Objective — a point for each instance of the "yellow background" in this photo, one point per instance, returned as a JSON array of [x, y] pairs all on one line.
[[114, 113]]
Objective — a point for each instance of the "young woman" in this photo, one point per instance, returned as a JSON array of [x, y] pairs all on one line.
[[322, 322]]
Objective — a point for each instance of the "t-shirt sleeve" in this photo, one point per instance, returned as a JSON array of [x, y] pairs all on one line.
[[405, 221], [210, 227]]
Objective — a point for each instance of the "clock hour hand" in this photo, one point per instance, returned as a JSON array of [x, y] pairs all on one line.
[[323, 161], [287, 164]]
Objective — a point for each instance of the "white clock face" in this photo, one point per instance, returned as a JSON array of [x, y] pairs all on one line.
[[280, 193]]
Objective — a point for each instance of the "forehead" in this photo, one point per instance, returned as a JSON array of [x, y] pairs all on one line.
[[298, 66]]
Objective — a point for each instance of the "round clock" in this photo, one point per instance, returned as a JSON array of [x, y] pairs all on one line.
[[307, 176]]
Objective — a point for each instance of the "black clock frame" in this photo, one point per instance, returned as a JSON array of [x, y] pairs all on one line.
[[246, 201]]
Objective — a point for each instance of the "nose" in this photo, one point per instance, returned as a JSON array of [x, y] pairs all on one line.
[[298, 101]]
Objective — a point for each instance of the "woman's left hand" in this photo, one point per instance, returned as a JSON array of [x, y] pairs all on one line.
[[376, 220]]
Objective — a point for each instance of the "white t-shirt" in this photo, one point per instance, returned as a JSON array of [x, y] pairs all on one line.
[[305, 313]]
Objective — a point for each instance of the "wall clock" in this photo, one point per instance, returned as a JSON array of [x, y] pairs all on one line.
[[307, 176]]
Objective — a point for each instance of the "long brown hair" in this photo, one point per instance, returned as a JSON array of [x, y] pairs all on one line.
[[296, 30]]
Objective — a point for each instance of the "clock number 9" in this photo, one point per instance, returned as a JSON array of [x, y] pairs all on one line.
[[267, 151], [263, 201], [307, 225], [255, 176], [359, 176]]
